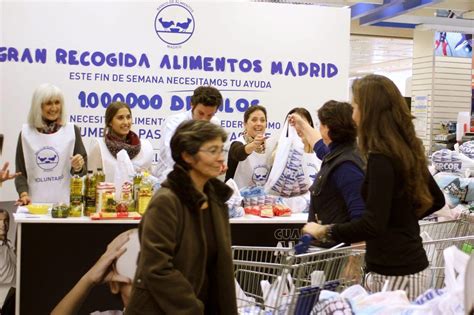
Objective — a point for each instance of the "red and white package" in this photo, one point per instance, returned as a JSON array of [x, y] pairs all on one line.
[[281, 210]]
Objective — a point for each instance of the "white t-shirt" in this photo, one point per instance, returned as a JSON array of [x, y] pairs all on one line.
[[165, 161]]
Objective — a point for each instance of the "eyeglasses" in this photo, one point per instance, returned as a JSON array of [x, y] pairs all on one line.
[[215, 151]]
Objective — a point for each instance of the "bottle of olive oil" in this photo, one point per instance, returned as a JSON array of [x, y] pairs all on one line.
[[90, 194], [144, 193], [76, 197]]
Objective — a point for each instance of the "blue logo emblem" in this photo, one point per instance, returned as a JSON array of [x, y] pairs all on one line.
[[259, 176], [174, 23], [47, 158]]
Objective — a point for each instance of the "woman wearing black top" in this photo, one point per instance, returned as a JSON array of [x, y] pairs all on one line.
[[398, 190]]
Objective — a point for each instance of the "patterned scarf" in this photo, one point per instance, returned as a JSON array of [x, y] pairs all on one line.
[[131, 144], [49, 127], [248, 139]]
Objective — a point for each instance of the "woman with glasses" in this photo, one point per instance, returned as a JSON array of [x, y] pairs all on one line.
[[398, 191], [119, 136], [49, 150], [249, 155], [335, 193], [185, 262]]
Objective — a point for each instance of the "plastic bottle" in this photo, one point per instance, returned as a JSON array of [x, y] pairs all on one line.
[[76, 197], [100, 175], [137, 179], [90, 195], [144, 194]]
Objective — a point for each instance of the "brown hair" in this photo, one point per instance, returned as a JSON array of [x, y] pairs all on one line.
[[112, 110], [190, 136], [386, 127], [253, 109], [337, 116]]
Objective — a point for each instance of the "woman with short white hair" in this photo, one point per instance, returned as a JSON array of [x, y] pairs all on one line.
[[49, 150]]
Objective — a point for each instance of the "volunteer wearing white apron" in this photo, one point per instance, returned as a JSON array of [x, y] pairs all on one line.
[[49, 150], [119, 136], [205, 102], [249, 156]]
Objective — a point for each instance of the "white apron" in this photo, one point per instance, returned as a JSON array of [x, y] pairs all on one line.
[[141, 161], [254, 170], [48, 163]]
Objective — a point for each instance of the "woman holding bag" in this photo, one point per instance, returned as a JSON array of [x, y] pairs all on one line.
[[119, 136], [398, 190], [249, 155], [335, 194], [294, 146]]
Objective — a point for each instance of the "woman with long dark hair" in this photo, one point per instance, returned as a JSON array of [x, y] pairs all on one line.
[[119, 136], [398, 191]]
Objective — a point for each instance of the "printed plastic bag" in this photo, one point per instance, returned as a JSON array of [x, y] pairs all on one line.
[[450, 161], [235, 201], [467, 148], [287, 177]]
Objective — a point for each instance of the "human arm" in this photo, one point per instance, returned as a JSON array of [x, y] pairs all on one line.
[[21, 182], [320, 149], [79, 158], [374, 221], [99, 273], [304, 128], [438, 196], [348, 179], [156, 273]]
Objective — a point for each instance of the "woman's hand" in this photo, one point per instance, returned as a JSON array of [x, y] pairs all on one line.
[[256, 144], [5, 173], [318, 231], [77, 163], [23, 200], [304, 129]]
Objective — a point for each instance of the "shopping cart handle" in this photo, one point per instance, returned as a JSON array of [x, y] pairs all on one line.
[[303, 244]]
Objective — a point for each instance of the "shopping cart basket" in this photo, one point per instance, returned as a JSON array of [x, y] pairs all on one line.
[[434, 251], [463, 226], [340, 268]]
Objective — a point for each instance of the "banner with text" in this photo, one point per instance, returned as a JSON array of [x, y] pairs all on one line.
[[153, 54]]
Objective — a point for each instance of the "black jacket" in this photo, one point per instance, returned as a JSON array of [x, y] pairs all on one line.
[[327, 204], [389, 224]]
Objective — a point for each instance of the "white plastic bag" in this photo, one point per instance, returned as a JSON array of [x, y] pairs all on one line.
[[293, 171], [278, 294], [124, 171], [455, 261]]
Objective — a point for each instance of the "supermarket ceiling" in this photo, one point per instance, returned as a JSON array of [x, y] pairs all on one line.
[[440, 15], [382, 30]]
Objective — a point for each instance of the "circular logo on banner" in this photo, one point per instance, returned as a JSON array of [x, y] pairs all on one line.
[[174, 23], [47, 158]]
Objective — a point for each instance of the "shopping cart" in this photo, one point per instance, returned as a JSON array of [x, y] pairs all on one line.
[[463, 226], [334, 268], [434, 251]]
